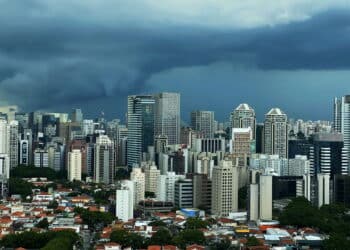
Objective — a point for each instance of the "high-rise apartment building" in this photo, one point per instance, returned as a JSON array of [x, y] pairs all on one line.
[[74, 165], [138, 177], [242, 144], [104, 160], [167, 116], [166, 186], [13, 139], [77, 115], [244, 117], [125, 201], [203, 121], [224, 189], [140, 126], [202, 191], [152, 174], [275, 133]]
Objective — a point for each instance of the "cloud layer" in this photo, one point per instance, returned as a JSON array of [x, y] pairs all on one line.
[[88, 53]]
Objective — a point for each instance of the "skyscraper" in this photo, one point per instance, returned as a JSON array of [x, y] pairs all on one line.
[[77, 116], [138, 177], [224, 189], [203, 121], [104, 157], [167, 116], [275, 133], [244, 117], [125, 201], [341, 122], [74, 165], [140, 127]]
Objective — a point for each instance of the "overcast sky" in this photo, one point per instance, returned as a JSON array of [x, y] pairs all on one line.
[[91, 54]]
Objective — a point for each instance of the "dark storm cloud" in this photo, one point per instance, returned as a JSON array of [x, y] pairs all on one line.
[[51, 60]]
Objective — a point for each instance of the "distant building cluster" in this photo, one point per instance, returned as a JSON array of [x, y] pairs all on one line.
[[202, 166]]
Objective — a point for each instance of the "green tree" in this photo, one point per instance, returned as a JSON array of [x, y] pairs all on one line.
[[157, 223], [336, 242], [44, 224], [252, 242], [95, 219], [120, 237], [195, 223], [300, 212], [21, 187], [189, 237], [161, 237]]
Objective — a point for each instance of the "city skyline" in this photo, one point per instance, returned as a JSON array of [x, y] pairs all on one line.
[[106, 50]]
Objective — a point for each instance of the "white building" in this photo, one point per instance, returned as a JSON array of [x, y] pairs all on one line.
[[265, 197], [104, 164], [138, 177], [225, 183], [152, 174], [41, 158], [275, 133], [88, 127], [166, 186], [244, 117], [323, 189], [125, 201], [3, 136], [74, 165]]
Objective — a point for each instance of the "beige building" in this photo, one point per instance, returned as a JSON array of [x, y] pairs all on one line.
[[242, 144], [224, 189], [138, 177], [151, 177], [74, 165]]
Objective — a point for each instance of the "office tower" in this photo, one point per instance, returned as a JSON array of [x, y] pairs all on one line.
[[104, 160], [4, 173], [342, 189], [202, 192], [41, 158], [242, 144], [13, 139], [224, 189], [74, 165], [265, 197], [125, 201], [298, 147], [275, 133], [166, 186], [88, 127], [341, 122], [203, 121], [122, 145], [323, 189], [184, 193], [138, 177], [188, 136], [167, 116], [24, 152], [210, 145], [23, 121], [244, 117], [161, 143], [50, 125], [173, 161], [81, 145], [140, 126], [56, 156], [3, 136], [77, 116], [152, 174], [328, 155]]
